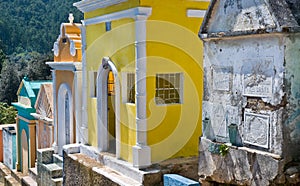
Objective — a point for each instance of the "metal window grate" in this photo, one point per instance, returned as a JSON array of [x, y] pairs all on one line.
[[167, 88]]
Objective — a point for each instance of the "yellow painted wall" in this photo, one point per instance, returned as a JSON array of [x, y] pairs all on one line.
[[118, 44], [172, 47]]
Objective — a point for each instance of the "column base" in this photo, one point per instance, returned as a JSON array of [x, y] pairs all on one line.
[[84, 135], [141, 156], [55, 147]]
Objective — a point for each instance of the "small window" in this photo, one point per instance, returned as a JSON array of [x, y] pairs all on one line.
[[130, 88], [93, 83], [107, 26], [168, 88]]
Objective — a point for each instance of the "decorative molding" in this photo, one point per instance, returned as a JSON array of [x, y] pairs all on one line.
[[64, 91], [43, 118], [26, 120], [130, 13], [68, 66], [72, 48], [90, 5], [56, 48], [102, 120], [195, 13]]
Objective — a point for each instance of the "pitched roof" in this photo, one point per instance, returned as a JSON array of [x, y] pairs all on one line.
[[241, 17], [31, 87], [44, 102]]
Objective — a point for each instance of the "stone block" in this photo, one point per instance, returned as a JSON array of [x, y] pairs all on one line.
[[177, 180], [71, 148], [54, 170], [45, 155], [240, 166]]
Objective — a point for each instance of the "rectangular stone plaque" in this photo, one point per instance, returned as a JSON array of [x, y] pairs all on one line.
[[257, 85], [222, 78], [219, 122], [256, 129]]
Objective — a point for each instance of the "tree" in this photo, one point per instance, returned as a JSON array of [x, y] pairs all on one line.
[[2, 58], [37, 69], [9, 83], [7, 114]]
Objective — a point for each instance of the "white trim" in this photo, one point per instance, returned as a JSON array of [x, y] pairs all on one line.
[[195, 13], [141, 151], [130, 13], [54, 145], [102, 120], [42, 118], [84, 117], [68, 66], [78, 104], [90, 5], [61, 128]]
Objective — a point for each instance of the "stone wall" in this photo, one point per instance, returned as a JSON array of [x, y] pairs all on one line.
[[239, 166], [251, 100], [77, 173]]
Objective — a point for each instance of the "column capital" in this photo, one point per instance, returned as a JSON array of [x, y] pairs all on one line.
[[141, 17]]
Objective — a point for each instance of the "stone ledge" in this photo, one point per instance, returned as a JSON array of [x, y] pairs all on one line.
[[240, 166]]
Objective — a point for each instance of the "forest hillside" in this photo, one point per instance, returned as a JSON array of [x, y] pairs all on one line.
[[28, 29]]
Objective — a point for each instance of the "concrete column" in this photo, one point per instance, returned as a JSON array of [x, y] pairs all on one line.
[[32, 143], [141, 152], [84, 109], [37, 131], [78, 104], [54, 145], [18, 166]]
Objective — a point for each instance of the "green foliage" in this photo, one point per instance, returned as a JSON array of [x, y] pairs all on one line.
[[224, 149], [27, 25], [9, 83], [2, 58], [30, 64], [7, 114]]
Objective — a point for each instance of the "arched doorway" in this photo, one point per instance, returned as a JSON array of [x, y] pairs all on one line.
[[25, 161], [111, 118], [108, 108], [65, 133]]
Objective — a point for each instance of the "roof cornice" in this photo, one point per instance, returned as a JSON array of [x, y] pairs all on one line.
[[67, 66], [90, 5]]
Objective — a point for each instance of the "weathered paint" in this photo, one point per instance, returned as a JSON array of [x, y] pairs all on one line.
[[292, 87], [9, 146], [172, 46], [251, 82], [25, 121]]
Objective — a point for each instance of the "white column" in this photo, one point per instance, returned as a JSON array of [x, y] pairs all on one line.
[[84, 109], [78, 104], [141, 152], [54, 145]]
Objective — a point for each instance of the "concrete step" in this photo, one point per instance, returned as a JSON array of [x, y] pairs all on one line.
[[11, 181], [54, 170], [57, 181], [28, 181], [57, 159], [17, 175], [4, 171], [33, 173], [96, 168], [116, 177], [128, 170]]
